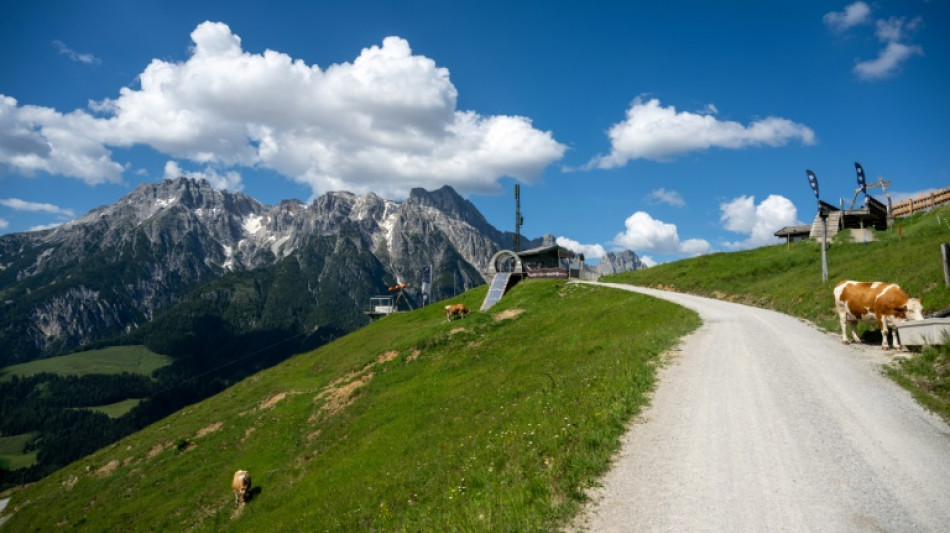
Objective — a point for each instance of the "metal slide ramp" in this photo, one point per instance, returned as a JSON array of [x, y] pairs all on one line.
[[497, 289]]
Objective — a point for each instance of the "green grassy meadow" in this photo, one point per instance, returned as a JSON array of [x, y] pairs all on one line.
[[12, 455], [497, 422], [116, 410], [111, 360]]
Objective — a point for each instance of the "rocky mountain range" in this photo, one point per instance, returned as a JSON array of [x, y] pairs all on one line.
[[617, 262], [121, 266]]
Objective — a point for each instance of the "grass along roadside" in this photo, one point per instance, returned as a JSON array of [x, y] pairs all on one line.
[[788, 279], [495, 422]]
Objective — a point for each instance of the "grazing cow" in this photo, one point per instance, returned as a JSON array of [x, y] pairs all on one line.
[[241, 485], [458, 310], [884, 303]]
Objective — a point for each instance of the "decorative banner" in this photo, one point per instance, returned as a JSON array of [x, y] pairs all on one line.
[[813, 181], [861, 181]]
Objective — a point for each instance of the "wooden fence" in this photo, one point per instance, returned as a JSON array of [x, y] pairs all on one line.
[[924, 201]]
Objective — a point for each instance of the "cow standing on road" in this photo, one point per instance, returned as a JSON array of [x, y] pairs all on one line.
[[874, 301]]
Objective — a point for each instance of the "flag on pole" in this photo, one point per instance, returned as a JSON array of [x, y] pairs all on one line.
[[862, 182], [813, 181]]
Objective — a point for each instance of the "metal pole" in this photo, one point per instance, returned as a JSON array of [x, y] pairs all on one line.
[[945, 250], [824, 246]]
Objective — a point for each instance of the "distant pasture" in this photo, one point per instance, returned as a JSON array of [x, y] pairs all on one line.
[[112, 360]]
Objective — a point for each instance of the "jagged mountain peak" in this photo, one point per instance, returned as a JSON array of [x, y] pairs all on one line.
[[451, 203]]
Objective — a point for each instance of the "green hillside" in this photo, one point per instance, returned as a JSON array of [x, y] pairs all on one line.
[[788, 279], [495, 422]]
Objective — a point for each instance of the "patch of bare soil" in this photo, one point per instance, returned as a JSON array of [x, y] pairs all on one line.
[[108, 468], [507, 314], [210, 429], [272, 401], [340, 397], [158, 448], [387, 357], [413, 356], [339, 394]]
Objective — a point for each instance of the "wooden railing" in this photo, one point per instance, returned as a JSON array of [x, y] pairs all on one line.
[[925, 201]]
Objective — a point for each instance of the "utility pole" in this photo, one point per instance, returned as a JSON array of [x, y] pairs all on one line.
[[823, 214], [519, 220]]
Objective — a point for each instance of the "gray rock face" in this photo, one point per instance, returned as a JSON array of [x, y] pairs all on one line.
[[616, 262], [113, 269]]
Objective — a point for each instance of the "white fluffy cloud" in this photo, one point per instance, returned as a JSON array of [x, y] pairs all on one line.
[[230, 180], [644, 233], [40, 139], [3, 223], [852, 15], [22, 205], [590, 251], [887, 62], [652, 131], [662, 195], [890, 31], [759, 222], [385, 122]]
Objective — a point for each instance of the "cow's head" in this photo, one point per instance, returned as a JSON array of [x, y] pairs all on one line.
[[914, 309]]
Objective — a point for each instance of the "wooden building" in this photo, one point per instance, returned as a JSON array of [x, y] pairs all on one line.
[[545, 262]]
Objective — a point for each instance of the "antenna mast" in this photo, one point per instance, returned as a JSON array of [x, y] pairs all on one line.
[[519, 220]]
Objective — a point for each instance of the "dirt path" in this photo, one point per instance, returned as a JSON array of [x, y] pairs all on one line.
[[764, 423], [3, 506]]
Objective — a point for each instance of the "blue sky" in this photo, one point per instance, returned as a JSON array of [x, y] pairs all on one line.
[[671, 128]]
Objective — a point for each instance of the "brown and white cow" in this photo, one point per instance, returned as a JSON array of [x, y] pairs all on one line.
[[241, 485], [874, 301], [453, 310]]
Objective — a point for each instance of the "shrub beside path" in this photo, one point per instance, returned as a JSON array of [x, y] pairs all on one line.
[[761, 422]]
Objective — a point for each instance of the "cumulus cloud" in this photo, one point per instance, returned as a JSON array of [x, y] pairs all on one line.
[[3, 223], [893, 32], [385, 122], [852, 15], [648, 261], [22, 205], [644, 233], [39, 139], [887, 62], [87, 59], [590, 251], [662, 195], [230, 180], [652, 131], [890, 31], [758, 222]]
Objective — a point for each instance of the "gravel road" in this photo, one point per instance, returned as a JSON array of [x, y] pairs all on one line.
[[764, 423]]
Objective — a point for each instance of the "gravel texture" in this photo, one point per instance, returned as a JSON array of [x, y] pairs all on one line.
[[761, 422]]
